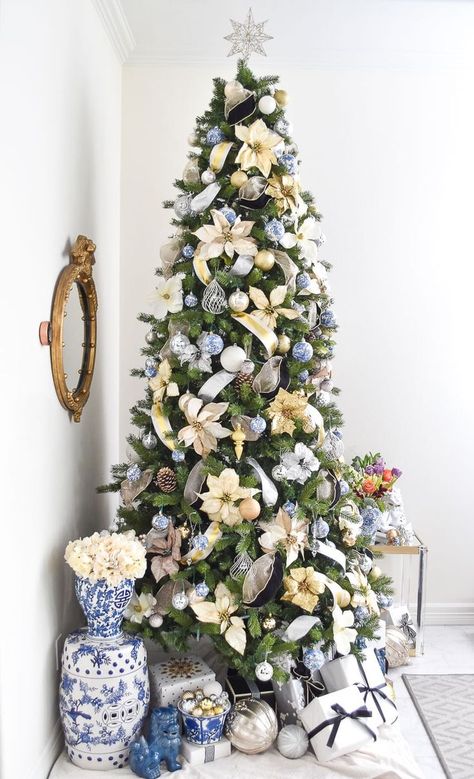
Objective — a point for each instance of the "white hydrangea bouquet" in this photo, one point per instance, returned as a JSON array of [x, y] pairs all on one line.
[[110, 556]]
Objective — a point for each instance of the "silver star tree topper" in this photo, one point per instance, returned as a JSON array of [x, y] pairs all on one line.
[[248, 37]]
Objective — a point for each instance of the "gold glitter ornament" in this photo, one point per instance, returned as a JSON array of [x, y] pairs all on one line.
[[269, 623], [238, 437], [284, 344], [238, 179], [264, 260]]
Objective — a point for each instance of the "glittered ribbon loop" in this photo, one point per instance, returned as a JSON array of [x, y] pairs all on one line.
[[257, 328], [162, 426], [214, 385], [269, 491], [194, 483], [203, 199], [218, 155], [342, 714]]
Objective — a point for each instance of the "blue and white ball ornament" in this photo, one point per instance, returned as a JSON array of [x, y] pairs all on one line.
[[188, 251], [274, 229], [258, 425], [190, 300], [327, 318], [134, 472], [283, 126], [290, 508], [302, 351], [289, 162], [303, 376], [384, 600], [303, 280], [214, 135], [344, 487], [160, 522], [200, 542], [202, 590], [213, 344], [150, 368], [177, 455], [229, 214], [178, 343], [313, 658], [321, 527], [361, 615]]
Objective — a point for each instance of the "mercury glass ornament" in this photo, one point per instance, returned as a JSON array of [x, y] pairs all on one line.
[[177, 456], [150, 337], [149, 440], [214, 135], [201, 589], [303, 281], [283, 127], [258, 425], [233, 87], [160, 522], [182, 206], [290, 508], [279, 472], [313, 658], [269, 623], [180, 601], [251, 726], [190, 300], [188, 251], [178, 343], [229, 214], [292, 742], [289, 162], [214, 300], [208, 176], [134, 472], [248, 367], [213, 344], [239, 301], [200, 542], [302, 351], [274, 229], [264, 671]]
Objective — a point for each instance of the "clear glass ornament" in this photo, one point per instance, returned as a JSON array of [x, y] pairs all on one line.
[[242, 563], [149, 440], [214, 300]]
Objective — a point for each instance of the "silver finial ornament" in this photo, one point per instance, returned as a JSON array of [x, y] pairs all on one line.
[[247, 37]]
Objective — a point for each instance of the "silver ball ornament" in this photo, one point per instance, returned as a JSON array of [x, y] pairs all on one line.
[[182, 206], [251, 726], [232, 87], [155, 620], [264, 671], [292, 742], [180, 601], [239, 301], [149, 440], [208, 176], [178, 343], [150, 337]]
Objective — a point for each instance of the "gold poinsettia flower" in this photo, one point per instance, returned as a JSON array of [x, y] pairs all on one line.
[[222, 237], [285, 191], [221, 613], [161, 384], [224, 492], [203, 429], [285, 409], [289, 532], [303, 586], [269, 309], [257, 150]]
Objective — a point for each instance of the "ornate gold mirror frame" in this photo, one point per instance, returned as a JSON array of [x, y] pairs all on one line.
[[78, 272]]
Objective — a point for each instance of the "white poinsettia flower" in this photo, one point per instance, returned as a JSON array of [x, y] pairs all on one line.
[[222, 237], [222, 613], [304, 237], [220, 502], [258, 149], [167, 297], [269, 309], [203, 429], [197, 356], [161, 384], [140, 607], [299, 464], [363, 592], [286, 531], [343, 633]]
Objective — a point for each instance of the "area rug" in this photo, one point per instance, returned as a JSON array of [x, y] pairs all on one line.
[[445, 703]]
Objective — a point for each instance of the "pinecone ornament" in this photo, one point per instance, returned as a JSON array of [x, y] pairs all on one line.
[[166, 480], [243, 379]]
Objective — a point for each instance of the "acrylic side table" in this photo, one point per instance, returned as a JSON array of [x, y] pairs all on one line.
[[407, 554]]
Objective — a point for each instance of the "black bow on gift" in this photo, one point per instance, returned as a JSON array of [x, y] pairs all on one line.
[[365, 689], [342, 714], [406, 625], [312, 689]]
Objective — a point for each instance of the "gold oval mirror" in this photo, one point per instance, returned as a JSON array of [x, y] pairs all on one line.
[[72, 331]]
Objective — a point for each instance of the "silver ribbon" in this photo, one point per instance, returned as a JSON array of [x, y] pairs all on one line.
[[268, 378], [269, 491], [204, 199], [215, 384], [299, 627], [194, 483], [242, 266], [332, 553], [289, 268]]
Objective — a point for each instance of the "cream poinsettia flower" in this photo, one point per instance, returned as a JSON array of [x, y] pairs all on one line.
[[223, 237], [304, 237], [257, 150], [269, 309], [363, 592], [161, 384], [286, 193], [343, 632], [221, 499], [221, 613], [167, 297], [203, 428], [286, 531], [140, 607]]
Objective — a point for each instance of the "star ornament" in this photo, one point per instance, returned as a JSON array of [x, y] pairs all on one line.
[[247, 37]]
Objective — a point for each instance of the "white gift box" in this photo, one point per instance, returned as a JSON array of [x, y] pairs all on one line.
[[197, 754], [176, 674], [338, 723], [369, 680]]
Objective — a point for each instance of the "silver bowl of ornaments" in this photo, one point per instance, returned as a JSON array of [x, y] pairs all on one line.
[[204, 712]]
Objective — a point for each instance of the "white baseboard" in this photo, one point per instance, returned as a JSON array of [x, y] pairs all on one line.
[[449, 614], [46, 760]]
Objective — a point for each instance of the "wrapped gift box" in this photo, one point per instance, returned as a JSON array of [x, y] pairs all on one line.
[[292, 696], [400, 618], [240, 688], [370, 681], [196, 754], [338, 723], [176, 674]]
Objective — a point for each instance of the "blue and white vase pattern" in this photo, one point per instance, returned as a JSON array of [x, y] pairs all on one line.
[[104, 691], [203, 730]]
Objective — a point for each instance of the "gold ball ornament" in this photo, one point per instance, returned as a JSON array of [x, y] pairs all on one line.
[[264, 259], [284, 344], [239, 301], [343, 598], [249, 508], [238, 179], [281, 96], [269, 623], [251, 726], [375, 573], [392, 535]]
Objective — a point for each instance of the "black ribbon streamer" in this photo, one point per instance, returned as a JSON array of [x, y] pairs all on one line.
[[366, 689], [342, 714]]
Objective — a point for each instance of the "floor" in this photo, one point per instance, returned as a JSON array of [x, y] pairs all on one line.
[[447, 650]]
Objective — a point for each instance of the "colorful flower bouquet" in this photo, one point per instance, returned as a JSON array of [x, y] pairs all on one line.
[[373, 478]]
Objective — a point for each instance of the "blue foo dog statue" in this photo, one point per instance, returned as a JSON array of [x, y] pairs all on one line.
[[164, 745]]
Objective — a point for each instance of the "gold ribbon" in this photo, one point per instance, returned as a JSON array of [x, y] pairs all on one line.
[[213, 534], [263, 333], [202, 271], [219, 154], [162, 426]]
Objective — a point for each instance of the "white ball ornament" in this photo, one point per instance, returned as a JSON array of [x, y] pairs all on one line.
[[232, 88], [292, 742], [267, 104], [232, 358], [212, 688], [155, 620], [239, 300], [264, 671], [208, 176], [180, 601]]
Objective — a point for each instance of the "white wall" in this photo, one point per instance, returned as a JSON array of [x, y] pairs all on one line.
[[60, 98], [384, 119]]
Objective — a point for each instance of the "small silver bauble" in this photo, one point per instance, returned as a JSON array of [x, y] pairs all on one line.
[[239, 301], [155, 620], [208, 176], [150, 337], [182, 206], [279, 472], [292, 742], [257, 424], [180, 601], [149, 440], [252, 726], [178, 343], [248, 367], [134, 472], [264, 671], [160, 522]]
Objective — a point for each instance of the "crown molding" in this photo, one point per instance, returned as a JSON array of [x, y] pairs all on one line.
[[117, 27]]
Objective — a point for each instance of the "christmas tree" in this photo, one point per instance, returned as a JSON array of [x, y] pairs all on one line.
[[238, 485]]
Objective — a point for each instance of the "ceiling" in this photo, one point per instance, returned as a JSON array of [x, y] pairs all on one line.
[[307, 33]]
